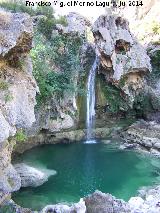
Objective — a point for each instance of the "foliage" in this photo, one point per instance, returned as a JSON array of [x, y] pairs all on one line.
[[142, 104], [17, 6], [155, 74], [8, 97], [114, 97], [20, 136], [115, 100], [122, 82], [56, 64], [155, 59], [156, 27], [48, 23]]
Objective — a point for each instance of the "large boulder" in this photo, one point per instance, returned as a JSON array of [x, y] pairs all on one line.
[[31, 176], [124, 61], [105, 203]]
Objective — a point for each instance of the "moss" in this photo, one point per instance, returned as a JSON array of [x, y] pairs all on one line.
[[101, 99], [8, 97], [7, 209], [155, 74], [4, 85], [88, 60], [122, 82], [143, 104], [11, 182], [115, 100], [20, 136]]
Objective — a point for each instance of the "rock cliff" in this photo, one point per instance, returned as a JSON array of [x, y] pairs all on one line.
[[17, 91], [124, 61]]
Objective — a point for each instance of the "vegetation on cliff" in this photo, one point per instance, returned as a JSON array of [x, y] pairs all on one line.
[[56, 61], [62, 64]]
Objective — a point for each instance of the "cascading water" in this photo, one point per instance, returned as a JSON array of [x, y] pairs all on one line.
[[90, 118]]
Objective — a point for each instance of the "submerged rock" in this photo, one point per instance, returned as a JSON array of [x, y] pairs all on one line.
[[31, 176]]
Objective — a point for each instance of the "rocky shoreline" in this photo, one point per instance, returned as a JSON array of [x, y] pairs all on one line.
[[143, 136], [147, 202], [70, 136]]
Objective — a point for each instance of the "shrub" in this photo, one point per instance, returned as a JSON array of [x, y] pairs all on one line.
[[48, 23], [17, 6], [20, 136], [155, 74], [115, 100], [56, 64], [45, 26]]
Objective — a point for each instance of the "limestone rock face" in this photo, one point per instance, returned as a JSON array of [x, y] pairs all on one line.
[[76, 24], [124, 61], [105, 203], [17, 90], [31, 176], [17, 85], [9, 179], [61, 113], [16, 33]]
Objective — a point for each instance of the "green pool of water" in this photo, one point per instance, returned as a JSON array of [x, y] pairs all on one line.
[[83, 168]]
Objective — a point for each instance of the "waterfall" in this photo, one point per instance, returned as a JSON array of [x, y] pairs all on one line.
[[90, 118]]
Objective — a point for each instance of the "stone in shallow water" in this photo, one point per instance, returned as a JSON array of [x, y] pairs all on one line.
[[31, 176]]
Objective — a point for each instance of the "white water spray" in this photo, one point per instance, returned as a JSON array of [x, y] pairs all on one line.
[[90, 118]]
